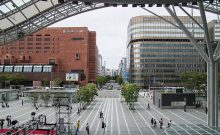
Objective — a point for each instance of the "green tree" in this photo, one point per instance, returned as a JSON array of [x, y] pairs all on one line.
[[101, 80], [120, 80], [45, 82], [46, 97], [58, 82], [130, 93], [2, 80], [34, 98], [86, 93], [195, 81]]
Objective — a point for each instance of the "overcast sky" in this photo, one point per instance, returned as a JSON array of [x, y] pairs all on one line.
[[110, 25]]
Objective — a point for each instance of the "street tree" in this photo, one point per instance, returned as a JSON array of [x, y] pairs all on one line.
[[101, 80], [130, 93], [119, 80], [58, 81], [34, 98], [46, 97]]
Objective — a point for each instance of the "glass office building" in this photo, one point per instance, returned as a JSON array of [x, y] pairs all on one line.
[[159, 52]]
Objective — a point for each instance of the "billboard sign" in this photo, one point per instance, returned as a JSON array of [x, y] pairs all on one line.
[[72, 77]]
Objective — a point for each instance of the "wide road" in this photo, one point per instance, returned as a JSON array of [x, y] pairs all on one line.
[[118, 118]]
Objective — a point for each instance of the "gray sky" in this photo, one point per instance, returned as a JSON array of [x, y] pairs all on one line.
[[110, 25]]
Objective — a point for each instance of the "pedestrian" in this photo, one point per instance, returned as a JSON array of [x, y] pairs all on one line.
[[78, 111], [169, 124], [87, 128], [184, 108], [6, 104], [36, 108], [77, 126], [100, 114], [152, 121], [103, 125], [3, 106], [155, 123], [22, 102], [161, 123], [144, 94], [2, 123], [206, 110], [7, 119], [148, 106]]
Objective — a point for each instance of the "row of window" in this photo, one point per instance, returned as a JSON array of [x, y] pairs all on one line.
[[164, 60], [162, 45], [180, 35], [26, 68]]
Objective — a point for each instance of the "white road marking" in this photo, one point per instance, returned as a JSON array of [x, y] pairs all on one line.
[[103, 116], [118, 124], [146, 121], [135, 121], [111, 115], [89, 115], [125, 120], [167, 118]]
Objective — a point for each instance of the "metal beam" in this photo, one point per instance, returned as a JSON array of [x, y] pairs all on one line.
[[189, 35], [206, 31], [161, 17], [190, 17]]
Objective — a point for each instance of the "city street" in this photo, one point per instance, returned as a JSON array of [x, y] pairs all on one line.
[[118, 118]]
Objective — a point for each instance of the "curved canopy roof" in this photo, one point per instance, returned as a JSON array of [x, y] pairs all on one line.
[[19, 18]]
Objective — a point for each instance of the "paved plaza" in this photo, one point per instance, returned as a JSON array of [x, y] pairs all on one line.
[[119, 119]]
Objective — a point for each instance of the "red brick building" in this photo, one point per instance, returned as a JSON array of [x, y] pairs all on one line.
[[67, 49]]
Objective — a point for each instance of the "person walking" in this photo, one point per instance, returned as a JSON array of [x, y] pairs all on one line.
[[22, 102], [152, 121], [184, 108], [103, 125], [87, 128], [101, 114], [78, 111], [77, 127], [161, 123], [148, 106], [2, 124], [169, 124], [155, 123]]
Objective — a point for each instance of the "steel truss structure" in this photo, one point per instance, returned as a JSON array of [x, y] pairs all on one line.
[[17, 23], [12, 28]]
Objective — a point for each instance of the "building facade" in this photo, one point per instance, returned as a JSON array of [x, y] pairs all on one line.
[[53, 53], [158, 52]]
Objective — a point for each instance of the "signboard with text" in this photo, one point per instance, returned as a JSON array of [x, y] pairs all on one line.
[[72, 77]]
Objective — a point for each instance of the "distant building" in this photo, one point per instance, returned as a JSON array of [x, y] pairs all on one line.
[[122, 69], [111, 72], [158, 52], [100, 70], [53, 52]]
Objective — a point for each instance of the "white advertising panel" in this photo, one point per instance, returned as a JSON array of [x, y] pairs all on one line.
[[72, 77]]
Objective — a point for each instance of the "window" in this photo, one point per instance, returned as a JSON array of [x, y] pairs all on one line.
[[47, 68], [28, 68], [38, 43], [46, 39], [8, 69], [78, 38], [38, 39], [77, 56], [37, 68], [29, 43], [30, 39], [52, 61], [1, 68], [18, 68], [46, 43]]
